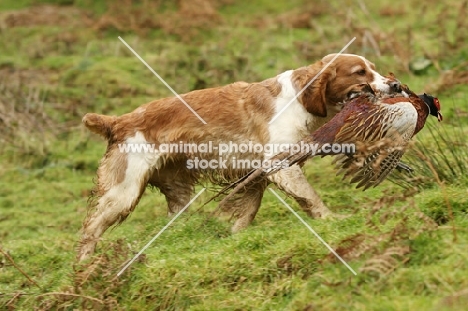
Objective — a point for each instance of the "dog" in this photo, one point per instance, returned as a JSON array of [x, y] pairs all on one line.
[[240, 112]]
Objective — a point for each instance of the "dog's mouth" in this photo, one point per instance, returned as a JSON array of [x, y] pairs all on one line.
[[353, 94], [364, 88]]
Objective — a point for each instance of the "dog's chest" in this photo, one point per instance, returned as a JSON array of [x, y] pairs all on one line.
[[291, 121]]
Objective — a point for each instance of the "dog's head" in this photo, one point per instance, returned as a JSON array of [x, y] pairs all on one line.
[[336, 77]]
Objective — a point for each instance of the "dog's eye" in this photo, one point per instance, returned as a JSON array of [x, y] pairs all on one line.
[[361, 72]]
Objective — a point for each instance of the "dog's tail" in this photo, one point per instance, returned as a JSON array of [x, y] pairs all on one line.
[[99, 124]]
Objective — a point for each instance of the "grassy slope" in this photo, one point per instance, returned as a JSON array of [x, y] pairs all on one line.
[[276, 263]]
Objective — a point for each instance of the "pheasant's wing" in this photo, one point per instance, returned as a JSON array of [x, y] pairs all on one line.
[[375, 167], [383, 168], [384, 132]]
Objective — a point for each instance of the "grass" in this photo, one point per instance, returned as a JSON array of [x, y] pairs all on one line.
[[401, 241]]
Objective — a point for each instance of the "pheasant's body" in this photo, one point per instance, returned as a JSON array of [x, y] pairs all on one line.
[[381, 126], [392, 121]]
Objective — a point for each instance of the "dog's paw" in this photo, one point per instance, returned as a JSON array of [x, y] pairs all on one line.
[[338, 216], [330, 215]]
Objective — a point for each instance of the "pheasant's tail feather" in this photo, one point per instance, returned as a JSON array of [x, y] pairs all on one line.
[[298, 158], [278, 162], [238, 185], [285, 160]]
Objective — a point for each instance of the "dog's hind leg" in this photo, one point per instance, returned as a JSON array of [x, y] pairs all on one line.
[[176, 183], [177, 195], [122, 179]]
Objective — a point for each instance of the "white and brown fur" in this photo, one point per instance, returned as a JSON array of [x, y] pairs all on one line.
[[238, 112]]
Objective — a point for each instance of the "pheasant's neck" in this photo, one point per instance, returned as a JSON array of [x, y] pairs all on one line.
[[423, 111]]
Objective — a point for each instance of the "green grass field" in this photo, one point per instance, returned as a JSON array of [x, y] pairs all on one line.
[[59, 59]]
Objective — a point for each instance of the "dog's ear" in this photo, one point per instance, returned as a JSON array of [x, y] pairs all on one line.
[[313, 98], [328, 58]]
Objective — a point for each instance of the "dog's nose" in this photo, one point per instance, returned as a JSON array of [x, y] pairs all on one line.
[[395, 86]]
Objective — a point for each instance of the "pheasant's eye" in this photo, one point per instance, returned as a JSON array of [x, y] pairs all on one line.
[[361, 72]]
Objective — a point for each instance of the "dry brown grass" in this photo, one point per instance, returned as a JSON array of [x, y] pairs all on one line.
[[189, 18], [26, 126], [45, 15], [384, 250], [449, 78], [125, 16], [96, 285]]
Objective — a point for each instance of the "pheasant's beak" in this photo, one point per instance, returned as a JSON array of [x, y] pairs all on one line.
[[439, 116]]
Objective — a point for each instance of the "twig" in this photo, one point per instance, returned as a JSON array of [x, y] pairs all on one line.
[[72, 295], [13, 299], [18, 268], [16, 295], [450, 228]]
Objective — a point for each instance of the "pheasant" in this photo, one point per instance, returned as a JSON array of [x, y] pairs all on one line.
[[380, 126]]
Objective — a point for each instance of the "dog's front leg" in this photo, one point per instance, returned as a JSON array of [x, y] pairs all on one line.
[[292, 181]]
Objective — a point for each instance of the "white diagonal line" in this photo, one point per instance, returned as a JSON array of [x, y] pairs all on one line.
[[162, 80], [311, 81], [312, 230], [160, 232]]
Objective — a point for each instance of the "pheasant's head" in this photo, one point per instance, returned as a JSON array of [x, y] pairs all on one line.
[[433, 104]]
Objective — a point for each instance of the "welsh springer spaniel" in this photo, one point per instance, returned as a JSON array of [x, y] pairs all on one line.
[[239, 112]]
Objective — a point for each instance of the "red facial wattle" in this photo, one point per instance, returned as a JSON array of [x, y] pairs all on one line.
[[437, 104]]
